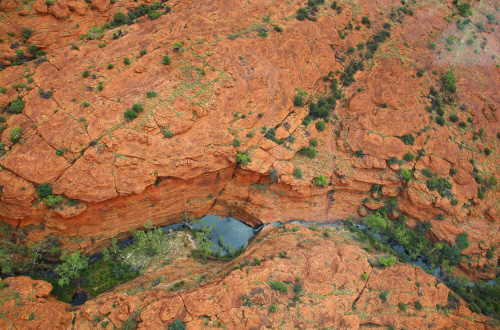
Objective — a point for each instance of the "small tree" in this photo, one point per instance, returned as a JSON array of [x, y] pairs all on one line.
[[72, 266], [26, 33], [15, 134], [376, 222], [16, 106], [462, 241], [177, 325], [44, 190], [321, 181]]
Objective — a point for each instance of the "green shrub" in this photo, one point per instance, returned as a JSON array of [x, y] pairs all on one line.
[[126, 61], [154, 14], [405, 174], [151, 94], [278, 28], [408, 139], [402, 307], [130, 114], [462, 124], [359, 153], [297, 288], [365, 20], [44, 190], [308, 151], [250, 135], [440, 111], [313, 142], [273, 308], [321, 181], [15, 134], [95, 32], [26, 33], [320, 126], [129, 325], [52, 200], [298, 101], [409, 157], [166, 60], [143, 52], [487, 151], [167, 133], [86, 104], [3, 90], [490, 255], [278, 286], [365, 276], [427, 172], [453, 118], [443, 186], [418, 306], [262, 34], [383, 295], [119, 19], [177, 46], [297, 173], [387, 262], [453, 171], [85, 74], [432, 45], [137, 107], [440, 121], [448, 80], [376, 222], [16, 106], [177, 325], [243, 159], [110, 66], [462, 241]]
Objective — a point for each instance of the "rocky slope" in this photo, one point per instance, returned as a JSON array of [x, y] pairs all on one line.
[[233, 78], [326, 281]]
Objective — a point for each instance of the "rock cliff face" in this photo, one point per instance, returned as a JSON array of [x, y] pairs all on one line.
[[233, 78], [325, 282]]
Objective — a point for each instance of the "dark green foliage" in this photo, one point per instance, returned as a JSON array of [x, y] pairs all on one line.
[[273, 308], [313, 143], [402, 307], [464, 9], [151, 94], [409, 157], [298, 101], [15, 134], [177, 325], [347, 77], [85, 74], [143, 52], [453, 171], [427, 172], [129, 325], [130, 114], [442, 185], [110, 66], [106, 274], [448, 81], [308, 151], [144, 9], [320, 126], [405, 174], [462, 241], [408, 139], [440, 111], [262, 34], [16, 106], [462, 124], [297, 173], [236, 142], [490, 255], [126, 61], [26, 33], [365, 20], [166, 60], [440, 121], [138, 107], [44, 190], [278, 286], [359, 153], [167, 133], [487, 151], [453, 118], [387, 262], [278, 28], [119, 19], [383, 295], [418, 305], [297, 288]]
